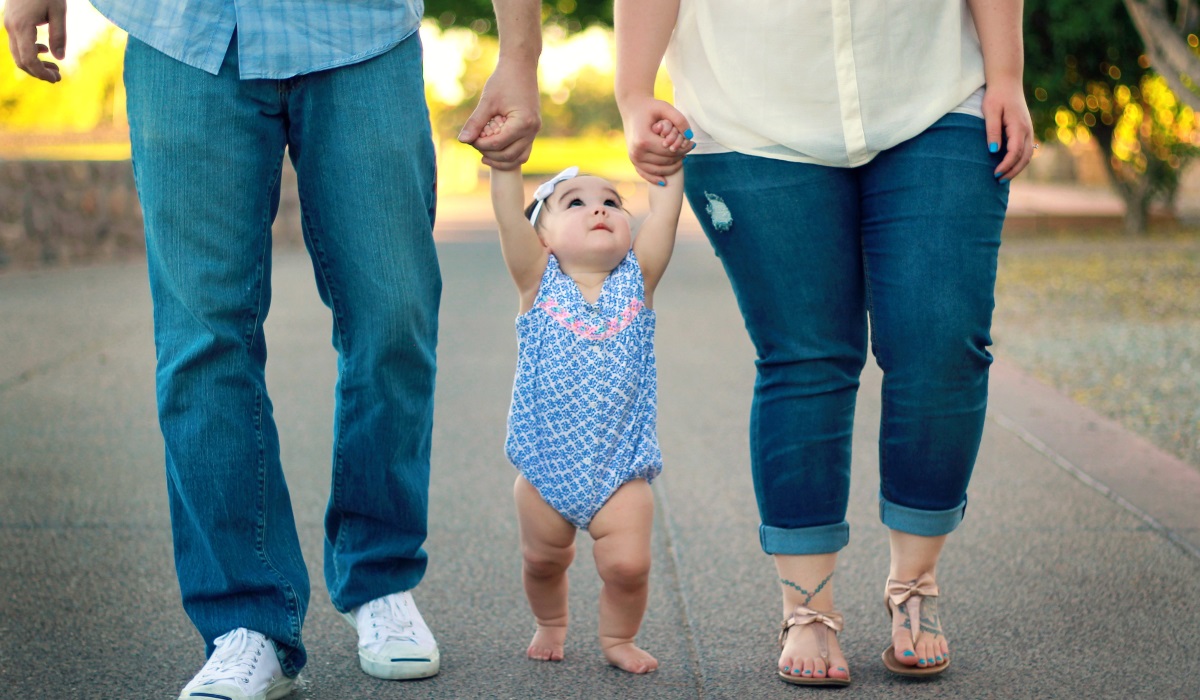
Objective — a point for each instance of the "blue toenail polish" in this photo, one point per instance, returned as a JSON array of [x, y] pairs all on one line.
[[687, 134], [808, 673], [786, 669], [993, 147], [909, 653]]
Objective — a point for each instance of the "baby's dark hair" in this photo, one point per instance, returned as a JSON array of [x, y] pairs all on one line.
[[529, 209]]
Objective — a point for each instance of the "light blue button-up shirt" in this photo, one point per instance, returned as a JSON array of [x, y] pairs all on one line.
[[276, 39]]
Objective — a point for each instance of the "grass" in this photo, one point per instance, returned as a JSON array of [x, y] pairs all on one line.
[[1113, 323]]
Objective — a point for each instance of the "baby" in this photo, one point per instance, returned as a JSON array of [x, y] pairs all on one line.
[[581, 429]]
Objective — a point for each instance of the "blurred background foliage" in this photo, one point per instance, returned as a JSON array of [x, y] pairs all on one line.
[[573, 15], [580, 118], [1088, 77], [92, 96]]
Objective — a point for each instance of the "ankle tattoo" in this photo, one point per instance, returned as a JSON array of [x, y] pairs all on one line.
[[807, 596]]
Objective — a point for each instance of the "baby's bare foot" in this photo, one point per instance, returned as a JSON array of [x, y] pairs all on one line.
[[627, 656], [547, 643]]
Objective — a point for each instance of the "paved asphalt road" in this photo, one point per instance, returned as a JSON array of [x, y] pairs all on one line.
[[1075, 575]]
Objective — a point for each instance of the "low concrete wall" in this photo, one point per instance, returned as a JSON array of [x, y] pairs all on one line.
[[72, 212], [54, 213]]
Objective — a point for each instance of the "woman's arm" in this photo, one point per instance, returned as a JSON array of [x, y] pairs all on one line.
[[643, 30], [1005, 112], [523, 251]]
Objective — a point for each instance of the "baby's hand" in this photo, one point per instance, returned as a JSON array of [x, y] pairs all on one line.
[[494, 126], [673, 139]]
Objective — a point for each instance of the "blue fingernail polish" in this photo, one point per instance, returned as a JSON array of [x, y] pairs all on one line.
[[1003, 181], [662, 183], [687, 134], [993, 147]]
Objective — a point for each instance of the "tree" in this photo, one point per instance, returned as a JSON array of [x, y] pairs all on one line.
[[1171, 45], [1090, 77]]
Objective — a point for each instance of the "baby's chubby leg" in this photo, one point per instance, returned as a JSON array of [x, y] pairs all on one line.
[[547, 549], [622, 550]]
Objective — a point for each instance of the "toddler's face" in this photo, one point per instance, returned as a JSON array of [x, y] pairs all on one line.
[[584, 223]]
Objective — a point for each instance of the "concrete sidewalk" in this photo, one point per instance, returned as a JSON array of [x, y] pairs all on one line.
[[1075, 574]]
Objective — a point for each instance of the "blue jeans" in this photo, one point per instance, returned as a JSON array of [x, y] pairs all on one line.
[[207, 154], [908, 241]]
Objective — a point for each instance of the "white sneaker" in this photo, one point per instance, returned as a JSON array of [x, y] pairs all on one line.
[[242, 667], [393, 640]]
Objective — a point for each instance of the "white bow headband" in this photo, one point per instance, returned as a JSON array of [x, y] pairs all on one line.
[[545, 189]]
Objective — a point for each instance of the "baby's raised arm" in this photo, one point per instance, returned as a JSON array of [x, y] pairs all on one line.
[[523, 251], [656, 239]]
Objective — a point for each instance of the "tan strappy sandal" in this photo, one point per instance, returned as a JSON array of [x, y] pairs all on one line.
[[910, 594], [804, 617]]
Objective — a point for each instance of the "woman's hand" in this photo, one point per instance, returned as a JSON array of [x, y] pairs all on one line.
[[654, 151], [1008, 124]]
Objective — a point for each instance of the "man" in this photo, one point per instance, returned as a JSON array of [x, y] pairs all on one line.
[[217, 90]]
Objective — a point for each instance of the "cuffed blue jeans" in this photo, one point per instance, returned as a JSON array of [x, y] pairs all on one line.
[[207, 153], [907, 243]]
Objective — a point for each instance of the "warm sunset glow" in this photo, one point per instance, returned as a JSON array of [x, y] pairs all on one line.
[[84, 26]]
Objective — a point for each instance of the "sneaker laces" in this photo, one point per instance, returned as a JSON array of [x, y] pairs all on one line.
[[390, 620], [232, 660]]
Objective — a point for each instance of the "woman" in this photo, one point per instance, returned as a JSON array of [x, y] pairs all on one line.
[[851, 166]]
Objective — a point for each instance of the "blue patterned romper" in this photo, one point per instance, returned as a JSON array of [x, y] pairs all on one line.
[[585, 399]]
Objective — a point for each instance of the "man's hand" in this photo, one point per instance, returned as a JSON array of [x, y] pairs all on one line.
[[21, 19], [509, 98]]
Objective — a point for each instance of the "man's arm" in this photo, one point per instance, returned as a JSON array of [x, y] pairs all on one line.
[[512, 91], [21, 19]]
